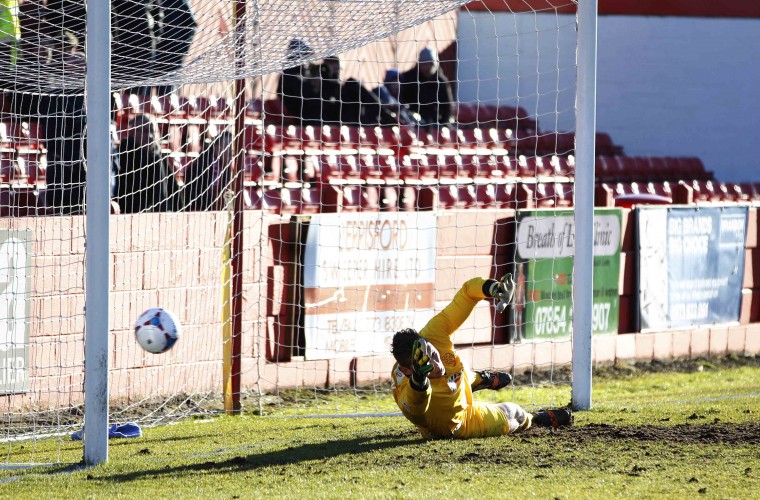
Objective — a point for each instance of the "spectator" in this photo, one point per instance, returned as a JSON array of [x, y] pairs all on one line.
[[315, 94], [389, 93], [207, 177], [62, 120], [296, 87], [150, 40], [427, 91], [174, 35], [145, 182], [10, 32], [348, 102]]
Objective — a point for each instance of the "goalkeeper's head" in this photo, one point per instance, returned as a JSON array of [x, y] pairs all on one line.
[[402, 347]]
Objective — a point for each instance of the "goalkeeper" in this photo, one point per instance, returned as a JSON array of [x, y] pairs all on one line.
[[434, 391]]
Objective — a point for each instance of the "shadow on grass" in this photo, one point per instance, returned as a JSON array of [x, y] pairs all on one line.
[[291, 455]]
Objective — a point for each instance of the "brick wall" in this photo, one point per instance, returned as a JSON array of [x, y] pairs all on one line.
[[174, 260]]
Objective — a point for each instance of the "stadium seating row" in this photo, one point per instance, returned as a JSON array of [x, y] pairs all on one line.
[[679, 192], [471, 114], [401, 139], [390, 168], [296, 198], [17, 200], [503, 125], [650, 169]]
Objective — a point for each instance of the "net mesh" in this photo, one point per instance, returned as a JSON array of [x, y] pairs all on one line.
[[336, 135]]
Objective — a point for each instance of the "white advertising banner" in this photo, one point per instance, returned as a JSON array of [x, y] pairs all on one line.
[[366, 276], [15, 260]]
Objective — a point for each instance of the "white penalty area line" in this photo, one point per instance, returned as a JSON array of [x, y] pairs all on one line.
[[339, 415], [684, 401]]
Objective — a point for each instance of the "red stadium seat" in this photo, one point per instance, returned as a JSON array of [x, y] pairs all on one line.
[[254, 168], [379, 138], [547, 195], [605, 145], [220, 107], [310, 199], [370, 198], [693, 168], [32, 166], [341, 198], [751, 190], [514, 117], [291, 168], [23, 135], [631, 168], [532, 166], [309, 137], [604, 168], [467, 196], [487, 116], [446, 165], [484, 166], [414, 168], [407, 199], [562, 166], [20, 200], [733, 192], [138, 104], [389, 198], [351, 137], [485, 195], [660, 189], [471, 138], [253, 138], [329, 167], [631, 200], [467, 114], [349, 167], [330, 137], [389, 167], [705, 191], [9, 168], [120, 104], [505, 195], [275, 113]]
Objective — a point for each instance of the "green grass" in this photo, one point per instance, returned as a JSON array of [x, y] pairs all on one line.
[[652, 433]]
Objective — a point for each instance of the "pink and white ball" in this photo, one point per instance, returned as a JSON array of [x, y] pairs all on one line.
[[157, 330]]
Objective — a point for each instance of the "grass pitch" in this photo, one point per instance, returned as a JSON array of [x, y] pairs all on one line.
[[664, 431]]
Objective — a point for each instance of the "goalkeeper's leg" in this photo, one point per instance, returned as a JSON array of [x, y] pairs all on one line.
[[487, 379], [493, 419], [517, 418]]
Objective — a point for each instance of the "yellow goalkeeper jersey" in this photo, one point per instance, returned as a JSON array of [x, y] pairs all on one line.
[[446, 409]]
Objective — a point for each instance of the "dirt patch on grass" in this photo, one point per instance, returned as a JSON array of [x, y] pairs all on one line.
[[715, 433]]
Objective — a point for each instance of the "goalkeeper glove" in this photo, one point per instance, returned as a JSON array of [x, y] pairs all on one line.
[[421, 364], [503, 290]]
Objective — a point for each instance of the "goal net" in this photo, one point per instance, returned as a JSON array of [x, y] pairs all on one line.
[[295, 181]]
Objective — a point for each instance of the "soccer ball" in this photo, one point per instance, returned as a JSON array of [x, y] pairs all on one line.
[[157, 330]]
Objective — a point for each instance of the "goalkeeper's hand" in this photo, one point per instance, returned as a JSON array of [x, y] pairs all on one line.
[[504, 290], [421, 363]]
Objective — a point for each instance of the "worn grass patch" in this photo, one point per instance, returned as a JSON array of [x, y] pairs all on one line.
[[652, 433]]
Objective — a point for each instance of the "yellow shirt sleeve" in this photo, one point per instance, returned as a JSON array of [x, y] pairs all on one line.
[[412, 403]]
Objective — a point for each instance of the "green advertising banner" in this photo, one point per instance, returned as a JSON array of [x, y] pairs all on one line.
[[544, 273]]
